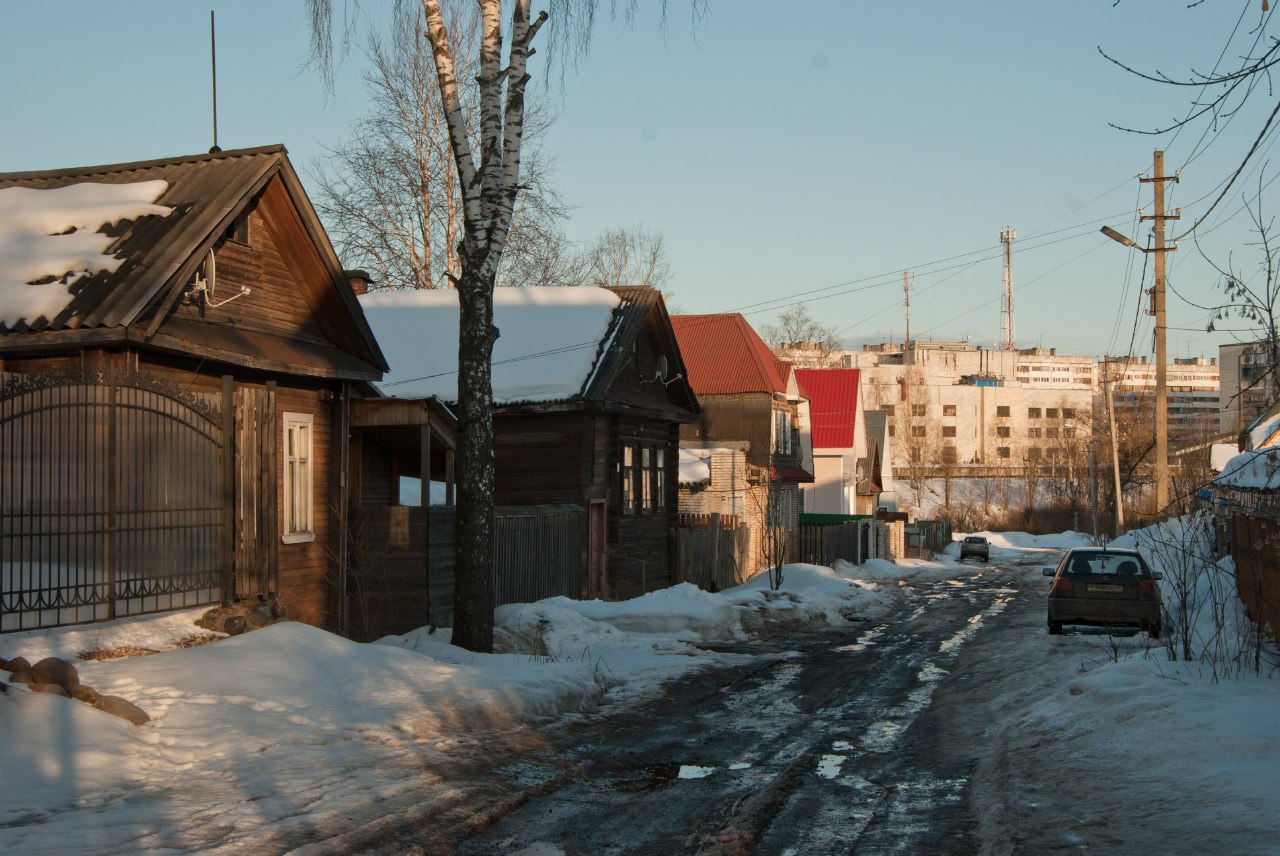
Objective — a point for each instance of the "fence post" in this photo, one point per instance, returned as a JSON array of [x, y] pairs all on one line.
[[713, 529]]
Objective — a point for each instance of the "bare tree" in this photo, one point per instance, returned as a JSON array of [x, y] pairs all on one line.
[[802, 340], [627, 255], [389, 192], [488, 172]]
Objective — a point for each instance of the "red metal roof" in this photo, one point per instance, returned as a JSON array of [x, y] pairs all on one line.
[[723, 355], [833, 405]]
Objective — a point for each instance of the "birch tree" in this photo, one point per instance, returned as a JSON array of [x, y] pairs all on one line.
[[488, 172]]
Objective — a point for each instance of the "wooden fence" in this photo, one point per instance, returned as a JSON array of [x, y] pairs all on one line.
[[1255, 548], [538, 554], [712, 555]]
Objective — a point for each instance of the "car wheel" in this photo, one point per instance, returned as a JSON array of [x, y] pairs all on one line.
[[1055, 628]]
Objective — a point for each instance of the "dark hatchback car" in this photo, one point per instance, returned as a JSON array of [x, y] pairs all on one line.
[[1104, 588], [975, 546]]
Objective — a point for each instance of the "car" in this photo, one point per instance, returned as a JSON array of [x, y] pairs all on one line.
[[975, 546], [1104, 587]]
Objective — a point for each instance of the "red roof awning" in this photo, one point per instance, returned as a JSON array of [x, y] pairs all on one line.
[[795, 474]]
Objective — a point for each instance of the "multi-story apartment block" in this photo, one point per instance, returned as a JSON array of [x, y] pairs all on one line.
[[1193, 391], [1246, 384]]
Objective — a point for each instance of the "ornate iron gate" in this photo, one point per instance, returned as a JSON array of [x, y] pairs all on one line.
[[113, 498]]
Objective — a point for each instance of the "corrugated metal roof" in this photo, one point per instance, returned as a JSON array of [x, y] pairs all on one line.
[[724, 355], [833, 405]]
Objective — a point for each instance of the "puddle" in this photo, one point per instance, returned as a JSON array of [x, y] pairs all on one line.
[[829, 766], [690, 771], [659, 776]]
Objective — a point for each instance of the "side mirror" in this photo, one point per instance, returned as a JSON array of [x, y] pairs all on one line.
[[1156, 575], [1048, 572]]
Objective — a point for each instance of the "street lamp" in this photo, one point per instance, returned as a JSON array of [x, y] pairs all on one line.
[[1157, 307]]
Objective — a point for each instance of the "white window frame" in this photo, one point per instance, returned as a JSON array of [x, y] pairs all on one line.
[[299, 478]]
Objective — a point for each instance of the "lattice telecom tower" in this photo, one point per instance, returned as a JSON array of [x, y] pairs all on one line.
[[1007, 234]]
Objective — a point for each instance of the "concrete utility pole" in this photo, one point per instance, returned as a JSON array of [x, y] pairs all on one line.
[[1157, 309], [1115, 451], [906, 289], [1007, 234]]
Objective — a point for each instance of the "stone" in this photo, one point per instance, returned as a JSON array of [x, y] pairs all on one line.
[[55, 670], [234, 625], [122, 708], [88, 695], [52, 689], [17, 664]]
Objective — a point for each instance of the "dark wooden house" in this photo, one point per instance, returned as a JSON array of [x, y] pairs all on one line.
[[586, 418], [175, 395]]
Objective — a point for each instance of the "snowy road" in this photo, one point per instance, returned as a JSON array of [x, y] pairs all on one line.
[[830, 742]]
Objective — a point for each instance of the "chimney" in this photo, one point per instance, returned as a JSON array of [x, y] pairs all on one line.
[[1053, 352], [360, 281]]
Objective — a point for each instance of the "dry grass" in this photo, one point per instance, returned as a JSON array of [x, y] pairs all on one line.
[[123, 651]]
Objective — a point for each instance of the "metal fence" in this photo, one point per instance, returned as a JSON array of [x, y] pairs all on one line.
[[112, 498]]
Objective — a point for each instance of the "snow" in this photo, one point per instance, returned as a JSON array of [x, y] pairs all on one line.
[[695, 466], [1263, 432], [54, 233], [1220, 454], [1257, 469], [289, 734], [548, 344]]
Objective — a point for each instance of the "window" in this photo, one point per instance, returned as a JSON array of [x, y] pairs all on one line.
[[1051, 413], [1002, 431], [917, 431], [1002, 410], [1033, 454], [238, 231], [628, 479], [646, 484], [1002, 452], [948, 430], [887, 408], [1051, 432], [949, 454], [1068, 413], [1033, 432], [782, 432], [298, 528], [1033, 412], [891, 432], [1069, 431], [919, 409], [660, 479], [948, 410]]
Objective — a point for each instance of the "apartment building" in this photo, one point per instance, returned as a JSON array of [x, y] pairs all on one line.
[[1192, 385], [1244, 389]]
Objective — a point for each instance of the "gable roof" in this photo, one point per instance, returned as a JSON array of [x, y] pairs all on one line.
[[555, 344], [724, 355], [157, 255], [833, 405]]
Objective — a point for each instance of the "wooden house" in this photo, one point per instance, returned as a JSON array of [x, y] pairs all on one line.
[[180, 349], [847, 458], [590, 392], [754, 425]]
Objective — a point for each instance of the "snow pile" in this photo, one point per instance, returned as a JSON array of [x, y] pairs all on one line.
[[547, 346], [54, 234], [695, 466]]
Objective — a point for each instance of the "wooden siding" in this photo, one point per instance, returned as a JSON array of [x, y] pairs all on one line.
[[305, 569], [640, 544]]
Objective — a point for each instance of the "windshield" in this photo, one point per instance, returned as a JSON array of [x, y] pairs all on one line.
[[1111, 564]]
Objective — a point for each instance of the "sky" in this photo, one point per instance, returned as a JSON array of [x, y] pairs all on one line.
[[803, 156], [324, 736]]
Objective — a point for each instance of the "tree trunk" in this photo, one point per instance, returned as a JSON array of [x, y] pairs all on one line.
[[474, 596]]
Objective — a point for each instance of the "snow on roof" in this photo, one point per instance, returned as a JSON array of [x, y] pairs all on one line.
[[1220, 454], [548, 344], [54, 233], [1256, 469], [1263, 431], [695, 466]]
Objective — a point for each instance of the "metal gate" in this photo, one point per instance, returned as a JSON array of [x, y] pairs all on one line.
[[113, 497]]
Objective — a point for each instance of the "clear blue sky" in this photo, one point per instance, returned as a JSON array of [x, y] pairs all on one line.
[[809, 151]]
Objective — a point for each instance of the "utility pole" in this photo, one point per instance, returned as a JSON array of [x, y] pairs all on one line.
[[1007, 234], [906, 289], [1115, 451], [1158, 309]]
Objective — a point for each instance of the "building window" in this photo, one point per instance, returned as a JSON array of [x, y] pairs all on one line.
[[1069, 431], [646, 483], [887, 408], [1033, 454], [949, 454], [628, 479], [298, 524], [948, 430], [660, 479], [1051, 413], [948, 410], [1002, 410], [1033, 432], [1068, 413], [238, 231], [1002, 452], [919, 409], [917, 431], [1033, 412], [1002, 431], [891, 431], [1051, 432]]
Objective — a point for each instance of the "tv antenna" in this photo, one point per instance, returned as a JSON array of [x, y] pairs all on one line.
[[213, 62]]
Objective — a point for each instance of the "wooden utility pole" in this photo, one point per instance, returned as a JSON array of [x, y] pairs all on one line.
[[1158, 309], [1115, 451]]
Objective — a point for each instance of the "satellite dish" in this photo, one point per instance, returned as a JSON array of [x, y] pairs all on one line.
[[661, 373]]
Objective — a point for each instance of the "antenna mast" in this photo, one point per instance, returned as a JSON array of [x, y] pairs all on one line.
[[213, 61], [1007, 234], [907, 279]]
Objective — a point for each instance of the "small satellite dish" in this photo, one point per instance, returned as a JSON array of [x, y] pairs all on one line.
[[661, 373]]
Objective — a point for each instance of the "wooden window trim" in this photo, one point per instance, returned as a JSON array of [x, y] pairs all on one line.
[[299, 478]]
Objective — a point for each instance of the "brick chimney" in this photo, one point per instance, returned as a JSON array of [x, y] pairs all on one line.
[[360, 281]]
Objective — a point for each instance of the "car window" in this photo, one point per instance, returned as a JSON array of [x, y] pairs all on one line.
[[1109, 564], [975, 539]]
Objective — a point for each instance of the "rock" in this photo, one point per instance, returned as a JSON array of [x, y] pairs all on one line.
[[17, 664], [55, 670], [117, 706], [52, 689], [234, 626], [20, 677], [88, 695]]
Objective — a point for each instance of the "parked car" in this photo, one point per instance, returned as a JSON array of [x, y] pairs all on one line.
[[975, 546], [1104, 588]]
